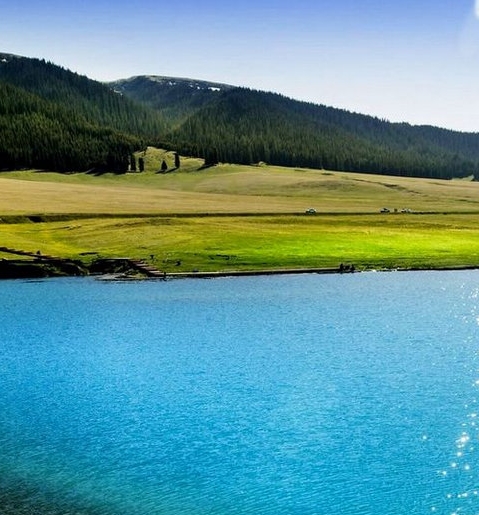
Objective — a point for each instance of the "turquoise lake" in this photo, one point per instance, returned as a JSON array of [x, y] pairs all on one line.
[[279, 395]]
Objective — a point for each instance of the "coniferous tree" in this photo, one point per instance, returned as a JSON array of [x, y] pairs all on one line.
[[133, 163], [211, 157]]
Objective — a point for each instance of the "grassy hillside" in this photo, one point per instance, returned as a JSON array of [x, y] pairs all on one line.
[[229, 188], [232, 217]]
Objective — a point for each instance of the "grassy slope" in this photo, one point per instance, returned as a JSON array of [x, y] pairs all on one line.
[[286, 238]]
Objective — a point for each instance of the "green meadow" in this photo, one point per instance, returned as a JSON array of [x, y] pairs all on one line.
[[231, 217]]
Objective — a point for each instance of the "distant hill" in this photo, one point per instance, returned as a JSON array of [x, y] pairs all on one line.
[[175, 98], [222, 123], [53, 118]]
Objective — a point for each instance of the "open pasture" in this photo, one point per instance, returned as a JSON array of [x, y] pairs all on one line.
[[233, 217], [228, 188], [228, 243]]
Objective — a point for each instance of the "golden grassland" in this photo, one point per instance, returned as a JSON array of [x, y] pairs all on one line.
[[232, 217]]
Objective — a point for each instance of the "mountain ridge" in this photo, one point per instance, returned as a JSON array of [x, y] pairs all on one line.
[[103, 124], [171, 80], [206, 84], [175, 98]]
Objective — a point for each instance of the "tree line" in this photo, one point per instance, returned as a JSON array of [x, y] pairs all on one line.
[[39, 134], [246, 126]]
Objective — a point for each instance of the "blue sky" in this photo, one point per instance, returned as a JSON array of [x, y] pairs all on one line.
[[403, 60]]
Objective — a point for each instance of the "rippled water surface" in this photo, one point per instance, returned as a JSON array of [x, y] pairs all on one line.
[[287, 395]]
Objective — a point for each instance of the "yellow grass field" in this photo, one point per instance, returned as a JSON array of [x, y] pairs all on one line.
[[231, 189]]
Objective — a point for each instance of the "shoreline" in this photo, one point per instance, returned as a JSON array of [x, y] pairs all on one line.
[[123, 269], [285, 271], [292, 271]]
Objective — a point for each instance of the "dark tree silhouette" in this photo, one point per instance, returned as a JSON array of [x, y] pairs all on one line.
[[211, 157]]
